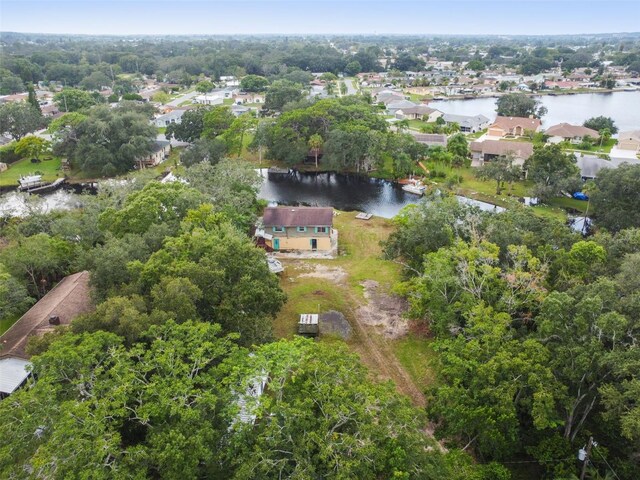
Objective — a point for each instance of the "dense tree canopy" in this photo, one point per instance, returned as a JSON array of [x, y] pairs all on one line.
[[519, 105], [617, 197]]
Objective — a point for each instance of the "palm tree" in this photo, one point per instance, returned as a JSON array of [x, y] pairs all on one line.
[[605, 135], [402, 125], [315, 144]]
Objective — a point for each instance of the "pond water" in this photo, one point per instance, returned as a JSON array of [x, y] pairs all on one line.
[[623, 107]]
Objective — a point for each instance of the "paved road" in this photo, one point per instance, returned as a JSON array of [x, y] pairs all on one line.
[[183, 98], [351, 90]]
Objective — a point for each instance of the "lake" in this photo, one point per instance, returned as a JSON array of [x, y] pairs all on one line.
[[344, 192], [623, 107]]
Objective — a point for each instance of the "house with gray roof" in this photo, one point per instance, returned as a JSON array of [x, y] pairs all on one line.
[[467, 123], [419, 112], [487, 150], [167, 119], [393, 107]]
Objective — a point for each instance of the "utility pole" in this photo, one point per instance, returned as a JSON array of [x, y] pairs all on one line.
[[586, 458]]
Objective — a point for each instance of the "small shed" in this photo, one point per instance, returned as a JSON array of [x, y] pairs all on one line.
[[308, 325]]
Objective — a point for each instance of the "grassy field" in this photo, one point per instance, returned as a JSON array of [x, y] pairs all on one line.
[[316, 286], [50, 170], [5, 323]]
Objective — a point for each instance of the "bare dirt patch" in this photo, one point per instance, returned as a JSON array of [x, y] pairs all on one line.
[[334, 274], [383, 310]]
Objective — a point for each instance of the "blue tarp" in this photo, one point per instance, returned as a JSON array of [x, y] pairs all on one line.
[[580, 196]]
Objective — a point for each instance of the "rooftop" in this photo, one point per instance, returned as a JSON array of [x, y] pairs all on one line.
[[13, 371], [298, 217], [67, 300]]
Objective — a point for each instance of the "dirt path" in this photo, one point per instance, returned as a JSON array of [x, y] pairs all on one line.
[[376, 352], [376, 322]]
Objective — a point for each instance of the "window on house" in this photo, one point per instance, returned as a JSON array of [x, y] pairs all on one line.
[[278, 229], [302, 229], [322, 229]]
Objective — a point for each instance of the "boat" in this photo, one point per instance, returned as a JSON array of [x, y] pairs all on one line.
[[275, 266], [414, 186]]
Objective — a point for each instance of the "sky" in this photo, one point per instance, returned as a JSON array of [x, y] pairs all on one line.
[[174, 17]]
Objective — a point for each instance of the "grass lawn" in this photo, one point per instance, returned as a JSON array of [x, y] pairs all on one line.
[[571, 204], [338, 287], [50, 170], [419, 359], [5, 323], [162, 129]]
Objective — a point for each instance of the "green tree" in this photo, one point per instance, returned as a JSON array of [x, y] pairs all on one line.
[[315, 144], [500, 169], [234, 136], [32, 98], [204, 150], [458, 146], [96, 80], [254, 83], [519, 105], [616, 198], [73, 100], [14, 297], [190, 127], [18, 119], [216, 120], [353, 68], [39, 261], [600, 123], [32, 147], [156, 203], [204, 86], [280, 93], [552, 171], [161, 97]]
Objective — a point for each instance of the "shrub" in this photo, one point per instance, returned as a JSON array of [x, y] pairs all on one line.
[[8, 154]]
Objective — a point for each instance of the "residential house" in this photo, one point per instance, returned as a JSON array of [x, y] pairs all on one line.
[[430, 139], [248, 97], [419, 112], [629, 141], [487, 150], [467, 123], [175, 116], [565, 132], [238, 110], [393, 107], [215, 97], [513, 126], [298, 228], [160, 152]]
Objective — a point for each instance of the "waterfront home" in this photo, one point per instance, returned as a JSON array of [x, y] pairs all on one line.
[[513, 126], [482, 152], [467, 123], [159, 152], [629, 141], [565, 132], [393, 107], [419, 112], [298, 228]]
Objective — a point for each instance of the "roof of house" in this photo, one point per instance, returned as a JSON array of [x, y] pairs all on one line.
[[160, 145], [13, 371], [171, 114], [508, 123], [501, 147], [68, 299], [298, 217], [566, 130], [420, 110], [431, 138], [629, 135], [401, 104], [465, 120]]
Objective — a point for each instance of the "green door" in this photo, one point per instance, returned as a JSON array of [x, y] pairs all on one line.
[[276, 244]]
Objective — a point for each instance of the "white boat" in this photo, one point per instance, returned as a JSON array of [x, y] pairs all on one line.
[[414, 187], [274, 265]]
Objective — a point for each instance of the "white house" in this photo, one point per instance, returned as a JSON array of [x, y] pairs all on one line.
[[167, 119]]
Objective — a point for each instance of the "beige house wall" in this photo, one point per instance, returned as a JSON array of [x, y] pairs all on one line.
[[632, 145], [301, 243]]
